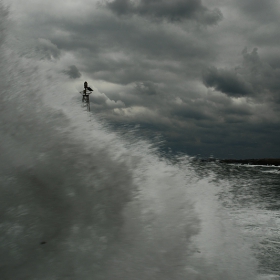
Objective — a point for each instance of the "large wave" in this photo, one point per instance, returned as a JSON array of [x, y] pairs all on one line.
[[80, 202]]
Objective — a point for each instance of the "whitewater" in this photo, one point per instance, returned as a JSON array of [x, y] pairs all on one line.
[[79, 201]]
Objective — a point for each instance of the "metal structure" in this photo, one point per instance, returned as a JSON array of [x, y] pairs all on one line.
[[85, 99]]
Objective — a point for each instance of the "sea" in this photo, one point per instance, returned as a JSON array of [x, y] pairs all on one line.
[[81, 201]]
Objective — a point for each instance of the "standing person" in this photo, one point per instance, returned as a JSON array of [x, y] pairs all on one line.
[[85, 86], [85, 90]]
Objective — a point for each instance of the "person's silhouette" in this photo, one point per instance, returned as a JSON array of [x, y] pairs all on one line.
[[85, 90], [85, 93], [85, 85]]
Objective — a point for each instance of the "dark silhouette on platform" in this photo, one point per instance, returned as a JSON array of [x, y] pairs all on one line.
[[86, 87], [86, 92]]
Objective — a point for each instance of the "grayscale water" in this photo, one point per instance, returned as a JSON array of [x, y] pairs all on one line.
[[79, 201]]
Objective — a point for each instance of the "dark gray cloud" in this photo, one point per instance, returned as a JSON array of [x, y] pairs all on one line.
[[145, 60], [175, 10], [254, 77], [260, 74], [226, 81], [264, 11], [125, 52], [73, 72], [260, 20]]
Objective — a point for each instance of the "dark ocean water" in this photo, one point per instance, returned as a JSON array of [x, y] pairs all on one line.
[[251, 196], [79, 201], [253, 200]]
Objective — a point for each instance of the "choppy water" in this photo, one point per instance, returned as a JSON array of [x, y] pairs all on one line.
[[80, 202], [252, 197]]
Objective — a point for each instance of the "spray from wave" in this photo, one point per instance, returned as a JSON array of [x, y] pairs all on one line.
[[79, 202]]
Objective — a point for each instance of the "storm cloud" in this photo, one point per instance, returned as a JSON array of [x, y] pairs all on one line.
[[203, 74], [227, 82], [254, 78], [171, 10], [73, 72]]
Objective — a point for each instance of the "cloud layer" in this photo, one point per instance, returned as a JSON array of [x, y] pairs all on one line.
[[205, 75], [73, 72], [176, 10]]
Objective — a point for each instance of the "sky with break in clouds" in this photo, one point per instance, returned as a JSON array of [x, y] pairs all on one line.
[[203, 74]]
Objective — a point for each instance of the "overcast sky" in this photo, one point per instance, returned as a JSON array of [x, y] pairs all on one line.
[[203, 74]]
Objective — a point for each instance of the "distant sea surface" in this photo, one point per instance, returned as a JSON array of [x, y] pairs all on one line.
[[251, 196]]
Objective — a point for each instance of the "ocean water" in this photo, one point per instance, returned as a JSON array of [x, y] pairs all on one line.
[[79, 201]]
